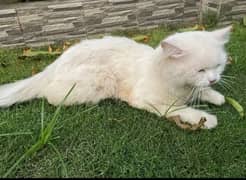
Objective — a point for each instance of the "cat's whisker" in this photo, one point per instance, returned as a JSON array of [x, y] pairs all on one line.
[[200, 97], [213, 111], [224, 87], [190, 96], [196, 96], [205, 88], [191, 100], [201, 105], [225, 83], [193, 97], [200, 89], [227, 76], [228, 81], [228, 87]]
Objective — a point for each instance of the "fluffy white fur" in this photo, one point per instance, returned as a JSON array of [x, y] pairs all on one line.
[[146, 78]]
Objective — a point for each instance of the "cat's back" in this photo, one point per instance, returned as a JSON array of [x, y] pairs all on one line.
[[116, 47], [115, 43], [105, 50]]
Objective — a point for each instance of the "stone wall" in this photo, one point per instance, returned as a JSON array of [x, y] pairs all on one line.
[[227, 10], [45, 22]]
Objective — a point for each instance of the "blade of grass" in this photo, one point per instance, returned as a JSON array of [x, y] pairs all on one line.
[[43, 139], [60, 157], [42, 118], [30, 151], [155, 108], [169, 108], [2, 123], [79, 113], [48, 130], [15, 134]]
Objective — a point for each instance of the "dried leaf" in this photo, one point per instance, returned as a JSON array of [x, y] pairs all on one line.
[[64, 47], [26, 51], [244, 20], [50, 49], [34, 70], [146, 39], [178, 122], [58, 50], [36, 53], [67, 43], [201, 28], [194, 28], [229, 60], [187, 126], [141, 38], [199, 125]]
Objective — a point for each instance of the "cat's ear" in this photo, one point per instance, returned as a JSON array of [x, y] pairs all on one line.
[[172, 51], [222, 35]]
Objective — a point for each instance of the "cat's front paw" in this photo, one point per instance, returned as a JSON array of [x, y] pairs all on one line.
[[194, 117], [218, 100], [213, 97], [211, 121]]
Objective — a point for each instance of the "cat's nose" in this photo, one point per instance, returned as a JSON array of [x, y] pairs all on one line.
[[213, 81]]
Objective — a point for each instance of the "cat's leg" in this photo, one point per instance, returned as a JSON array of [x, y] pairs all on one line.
[[212, 96], [193, 116], [187, 114]]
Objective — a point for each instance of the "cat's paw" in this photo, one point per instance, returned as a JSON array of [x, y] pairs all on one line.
[[218, 100], [195, 118], [211, 121], [213, 97]]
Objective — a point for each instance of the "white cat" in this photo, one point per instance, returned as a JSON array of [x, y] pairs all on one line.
[[158, 80]]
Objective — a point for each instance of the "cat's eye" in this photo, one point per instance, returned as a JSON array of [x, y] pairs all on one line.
[[201, 70]]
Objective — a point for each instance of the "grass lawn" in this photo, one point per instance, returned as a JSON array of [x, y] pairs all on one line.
[[112, 139]]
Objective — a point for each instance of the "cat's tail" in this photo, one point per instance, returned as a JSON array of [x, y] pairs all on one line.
[[22, 90]]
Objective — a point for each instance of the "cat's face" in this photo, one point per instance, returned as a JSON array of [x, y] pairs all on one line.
[[197, 58]]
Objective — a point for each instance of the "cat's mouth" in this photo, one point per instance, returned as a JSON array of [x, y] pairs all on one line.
[[213, 82], [207, 84]]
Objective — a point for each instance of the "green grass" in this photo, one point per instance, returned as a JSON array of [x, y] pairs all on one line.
[[112, 139]]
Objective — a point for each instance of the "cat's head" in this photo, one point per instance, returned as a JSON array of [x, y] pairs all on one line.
[[196, 58]]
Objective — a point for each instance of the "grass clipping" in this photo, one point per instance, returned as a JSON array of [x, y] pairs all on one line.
[[236, 106]]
